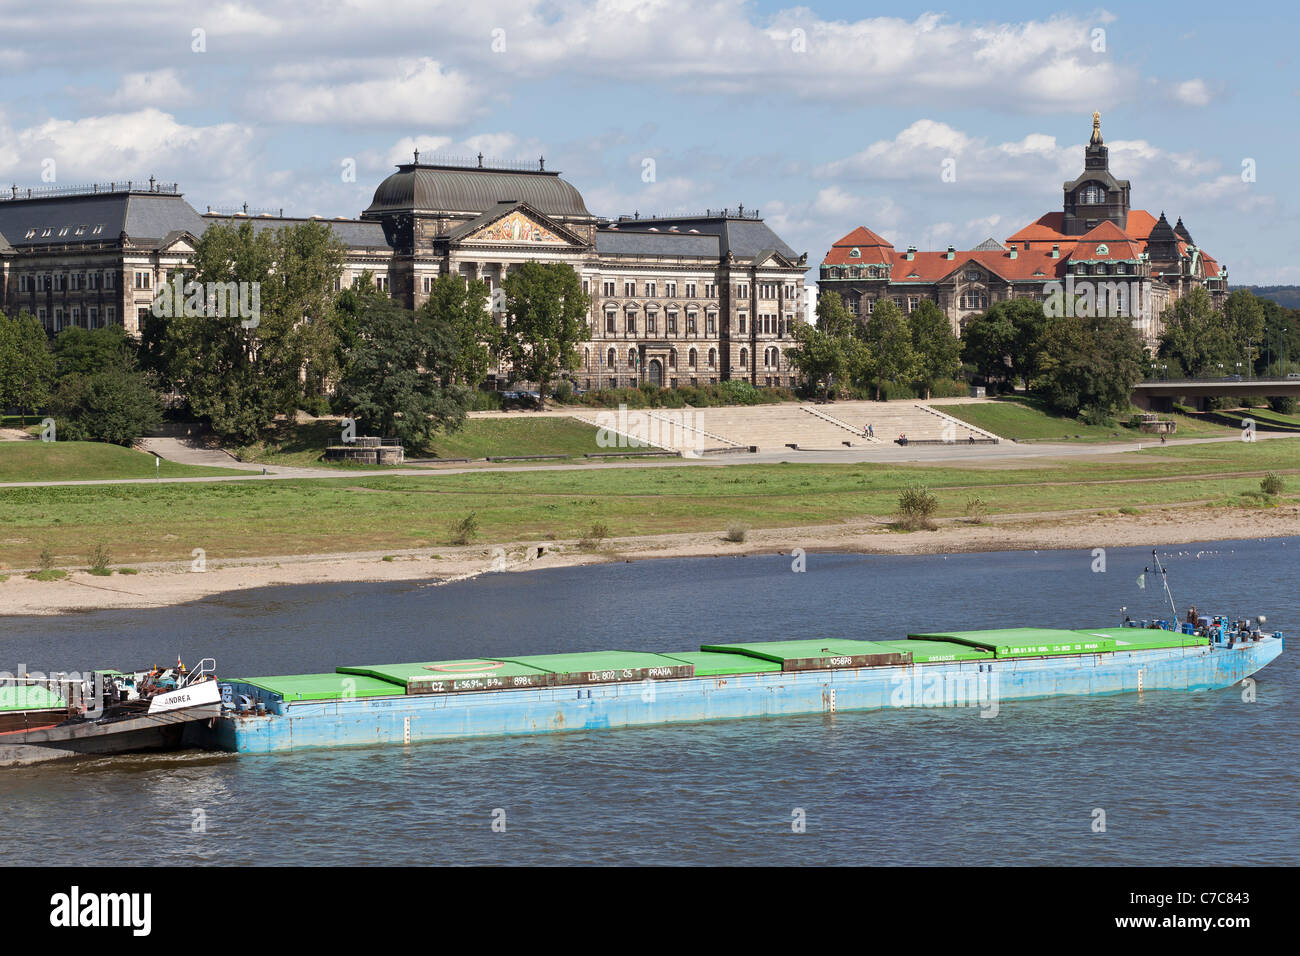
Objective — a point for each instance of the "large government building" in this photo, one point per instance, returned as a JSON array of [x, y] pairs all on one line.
[[675, 300], [1133, 263]]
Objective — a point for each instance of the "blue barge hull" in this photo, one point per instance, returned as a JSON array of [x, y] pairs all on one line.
[[403, 719]]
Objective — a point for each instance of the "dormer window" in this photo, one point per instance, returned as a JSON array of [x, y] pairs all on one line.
[[97, 230], [46, 232], [63, 231], [1092, 195], [81, 231], [1103, 250], [855, 253], [31, 234]]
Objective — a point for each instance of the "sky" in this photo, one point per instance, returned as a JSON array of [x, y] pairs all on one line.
[[823, 117]]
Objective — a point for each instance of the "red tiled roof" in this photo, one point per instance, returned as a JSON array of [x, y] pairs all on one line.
[[871, 249], [1044, 228], [1108, 237], [935, 266], [1139, 223]]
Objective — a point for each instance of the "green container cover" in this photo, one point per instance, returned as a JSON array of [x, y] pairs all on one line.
[[325, 686], [1025, 641], [782, 651], [926, 651], [27, 697], [468, 669], [583, 662], [1145, 638], [716, 664]]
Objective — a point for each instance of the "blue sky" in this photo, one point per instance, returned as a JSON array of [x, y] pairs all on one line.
[[823, 116]]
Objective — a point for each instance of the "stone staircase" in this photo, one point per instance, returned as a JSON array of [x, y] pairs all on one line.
[[772, 427]]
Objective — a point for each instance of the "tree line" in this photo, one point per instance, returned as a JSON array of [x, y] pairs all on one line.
[[402, 373], [1084, 367]]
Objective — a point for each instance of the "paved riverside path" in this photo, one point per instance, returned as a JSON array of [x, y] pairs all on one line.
[[886, 453], [187, 451]]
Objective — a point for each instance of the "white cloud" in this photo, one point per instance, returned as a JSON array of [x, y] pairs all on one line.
[[125, 145], [1193, 93], [416, 91], [159, 88]]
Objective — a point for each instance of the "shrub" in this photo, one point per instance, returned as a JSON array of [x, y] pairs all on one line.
[[50, 574], [46, 562], [1272, 484], [736, 532], [563, 391], [465, 530], [1129, 511], [916, 508], [593, 537], [100, 560], [128, 570], [1283, 404], [976, 510]]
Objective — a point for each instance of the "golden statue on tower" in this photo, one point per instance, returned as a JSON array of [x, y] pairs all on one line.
[[1096, 128]]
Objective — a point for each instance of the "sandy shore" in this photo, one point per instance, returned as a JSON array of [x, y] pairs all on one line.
[[168, 584]]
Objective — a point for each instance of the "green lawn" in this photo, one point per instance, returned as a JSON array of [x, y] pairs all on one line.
[[243, 519], [86, 460], [1263, 415], [303, 445], [1025, 419]]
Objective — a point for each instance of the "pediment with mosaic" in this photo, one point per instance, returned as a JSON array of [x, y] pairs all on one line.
[[516, 227]]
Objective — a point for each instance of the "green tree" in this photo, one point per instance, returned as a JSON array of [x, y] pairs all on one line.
[[938, 350], [1195, 338], [832, 316], [396, 380], [546, 319], [988, 342], [241, 373], [26, 364], [819, 355], [80, 352], [889, 338], [1087, 367], [1243, 316], [461, 308], [112, 404]]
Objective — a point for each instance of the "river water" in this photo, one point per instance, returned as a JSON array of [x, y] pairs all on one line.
[[1181, 778]]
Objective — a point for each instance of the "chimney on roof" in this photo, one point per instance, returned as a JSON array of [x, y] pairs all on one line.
[[951, 253], [911, 253], [1056, 250], [1011, 253]]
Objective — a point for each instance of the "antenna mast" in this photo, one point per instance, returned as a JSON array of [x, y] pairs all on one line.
[[1164, 577]]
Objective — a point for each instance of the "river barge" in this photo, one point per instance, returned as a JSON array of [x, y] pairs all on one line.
[[106, 712], [383, 704]]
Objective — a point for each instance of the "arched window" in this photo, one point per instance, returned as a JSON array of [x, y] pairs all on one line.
[[586, 358], [613, 358], [776, 358], [744, 358], [631, 356], [690, 358], [713, 357], [672, 358]]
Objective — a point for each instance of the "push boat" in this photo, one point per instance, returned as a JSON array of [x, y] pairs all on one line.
[[385, 704], [108, 712]]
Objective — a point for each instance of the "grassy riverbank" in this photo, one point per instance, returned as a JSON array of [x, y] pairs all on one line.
[[254, 518], [87, 461]]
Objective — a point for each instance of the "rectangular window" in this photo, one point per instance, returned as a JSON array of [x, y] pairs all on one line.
[[742, 323], [742, 291], [672, 324], [109, 281], [712, 323], [609, 322], [649, 290], [670, 289], [92, 317], [650, 324], [141, 317], [608, 289], [381, 283], [110, 315], [76, 315], [690, 290], [631, 322], [629, 288], [22, 283], [586, 286], [710, 290], [59, 280], [58, 319], [76, 281], [143, 280], [40, 314], [690, 325]]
